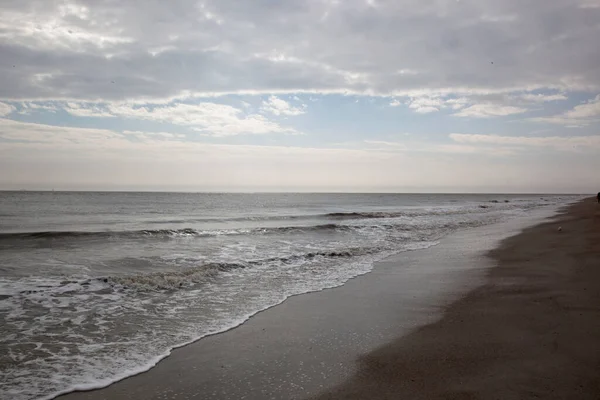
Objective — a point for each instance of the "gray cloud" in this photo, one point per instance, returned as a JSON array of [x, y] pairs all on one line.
[[106, 50]]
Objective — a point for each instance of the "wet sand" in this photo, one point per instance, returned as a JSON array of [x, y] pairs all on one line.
[[531, 332], [310, 344]]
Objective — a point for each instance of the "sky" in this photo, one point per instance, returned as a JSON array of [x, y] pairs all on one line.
[[314, 95]]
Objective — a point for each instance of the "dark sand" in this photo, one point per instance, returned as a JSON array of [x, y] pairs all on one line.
[[531, 332]]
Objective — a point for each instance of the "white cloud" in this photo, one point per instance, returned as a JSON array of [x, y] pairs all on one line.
[[68, 28], [394, 103], [6, 109], [426, 109], [385, 144], [474, 105], [489, 110], [541, 98], [478, 105], [561, 120], [563, 143], [423, 147], [580, 115], [210, 118], [80, 110], [58, 135], [276, 106], [586, 110], [425, 105], [27, 107], [458, 103], [144, 136]]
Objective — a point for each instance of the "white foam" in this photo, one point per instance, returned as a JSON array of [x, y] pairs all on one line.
[[95, 361]]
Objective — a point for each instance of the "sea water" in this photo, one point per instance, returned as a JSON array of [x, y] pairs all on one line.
[[95, 287]]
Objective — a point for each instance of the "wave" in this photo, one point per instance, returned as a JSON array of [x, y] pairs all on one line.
[[412, 213], [50, 234], [166, 233], [169, 280], [188, 277], [235, 219], [181, 279], [365, 215]]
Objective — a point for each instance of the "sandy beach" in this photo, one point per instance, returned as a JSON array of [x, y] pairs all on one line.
[[526, 329], [530, 332]]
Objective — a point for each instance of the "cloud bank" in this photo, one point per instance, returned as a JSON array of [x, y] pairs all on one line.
[[99, 49]]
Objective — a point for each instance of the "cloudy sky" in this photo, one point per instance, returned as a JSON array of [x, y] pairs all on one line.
[[322, 95]]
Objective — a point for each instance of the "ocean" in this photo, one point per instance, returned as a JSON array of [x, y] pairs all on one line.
[[98, 286]]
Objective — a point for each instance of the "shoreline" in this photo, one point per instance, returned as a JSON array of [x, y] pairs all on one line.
[[531, 331], [293, 339]]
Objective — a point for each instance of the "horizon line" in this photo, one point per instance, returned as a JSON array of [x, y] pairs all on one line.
[[281, 192]]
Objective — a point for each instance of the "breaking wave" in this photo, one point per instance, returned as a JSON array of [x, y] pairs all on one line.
[[164, 233]]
